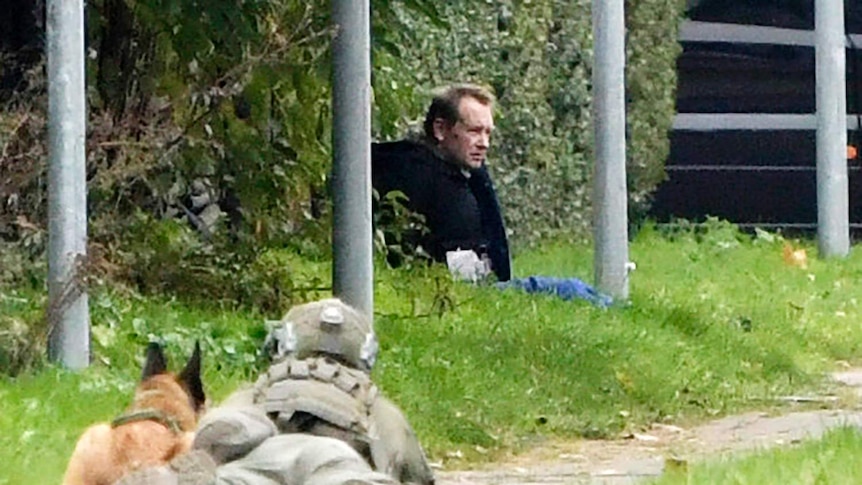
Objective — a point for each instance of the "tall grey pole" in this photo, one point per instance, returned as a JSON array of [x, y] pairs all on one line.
[[833, 226], [68, 308], [610, 214], [353, 270]]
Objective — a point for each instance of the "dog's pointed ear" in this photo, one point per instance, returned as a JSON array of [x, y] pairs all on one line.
[[191, 377], [155, 363]]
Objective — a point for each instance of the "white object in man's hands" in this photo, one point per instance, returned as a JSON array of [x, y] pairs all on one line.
[[467, 265]]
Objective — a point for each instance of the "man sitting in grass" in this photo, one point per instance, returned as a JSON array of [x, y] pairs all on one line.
[[445, 178]]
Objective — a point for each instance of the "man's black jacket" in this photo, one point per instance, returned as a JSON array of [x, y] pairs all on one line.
[[460, 211]]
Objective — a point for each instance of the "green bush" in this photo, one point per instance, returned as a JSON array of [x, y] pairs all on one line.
[[23, 329], [168, 257]]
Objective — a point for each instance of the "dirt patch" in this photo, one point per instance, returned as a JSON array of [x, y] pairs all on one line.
[[644, 455]]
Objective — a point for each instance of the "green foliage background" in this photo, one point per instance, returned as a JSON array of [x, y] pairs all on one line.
[[235, 96], [537, 57]]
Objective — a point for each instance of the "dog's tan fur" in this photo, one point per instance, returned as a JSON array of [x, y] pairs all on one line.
[[157, 426]]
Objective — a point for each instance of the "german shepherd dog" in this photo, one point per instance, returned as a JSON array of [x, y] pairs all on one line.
[[158, 426]]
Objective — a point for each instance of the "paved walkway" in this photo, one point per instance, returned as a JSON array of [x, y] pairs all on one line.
[[641, 456]]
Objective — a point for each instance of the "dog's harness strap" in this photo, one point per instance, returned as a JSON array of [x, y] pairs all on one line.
[[148, 415]]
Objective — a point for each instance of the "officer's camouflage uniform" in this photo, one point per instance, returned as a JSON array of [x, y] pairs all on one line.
[[314, 418]]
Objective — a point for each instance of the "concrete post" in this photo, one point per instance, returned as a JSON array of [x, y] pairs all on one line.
[[68, 307], [610, 212], [833, 222], [353, 269]]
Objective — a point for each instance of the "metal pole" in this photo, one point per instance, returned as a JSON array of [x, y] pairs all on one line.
[[68, 308], [353, 269], [610, 217], [833, 226]]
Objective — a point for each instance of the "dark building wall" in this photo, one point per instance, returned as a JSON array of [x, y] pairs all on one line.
[[754, 176]]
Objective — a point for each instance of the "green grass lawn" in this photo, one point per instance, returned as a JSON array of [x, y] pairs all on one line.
[[833, 460], [717, 323]]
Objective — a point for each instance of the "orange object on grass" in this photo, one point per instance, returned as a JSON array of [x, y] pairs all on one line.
[[795, 257]]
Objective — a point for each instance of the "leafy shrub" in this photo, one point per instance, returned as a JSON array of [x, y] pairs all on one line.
[[21, 268], [23, 331], [166, 256]]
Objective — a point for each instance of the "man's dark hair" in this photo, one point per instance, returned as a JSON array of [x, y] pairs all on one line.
[[445, 103]]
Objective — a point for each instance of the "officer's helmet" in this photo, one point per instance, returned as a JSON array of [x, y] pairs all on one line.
[[326, 327]]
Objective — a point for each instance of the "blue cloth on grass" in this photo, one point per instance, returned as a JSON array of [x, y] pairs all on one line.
[[565, 288]]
